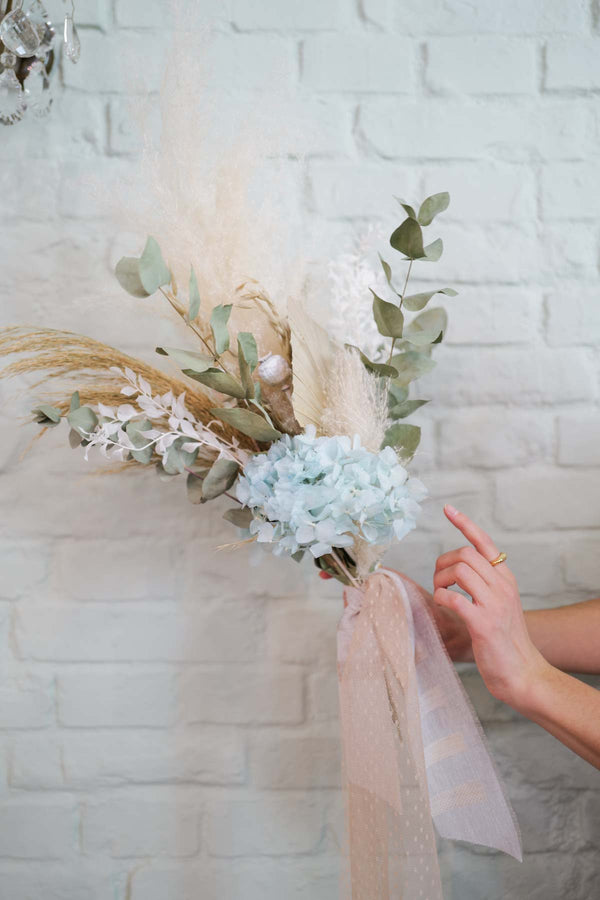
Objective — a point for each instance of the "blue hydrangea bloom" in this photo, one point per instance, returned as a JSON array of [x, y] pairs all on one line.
[[315, 493]]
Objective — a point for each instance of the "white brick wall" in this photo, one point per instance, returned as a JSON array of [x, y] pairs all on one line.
[[167, 714]]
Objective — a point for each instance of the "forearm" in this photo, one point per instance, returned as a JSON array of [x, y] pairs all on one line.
[[569, 636], [567, 708]]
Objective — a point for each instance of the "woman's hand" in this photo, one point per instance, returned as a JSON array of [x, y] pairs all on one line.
[[507, 659]]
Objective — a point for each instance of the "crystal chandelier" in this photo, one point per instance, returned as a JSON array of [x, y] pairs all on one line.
[[28, 60]]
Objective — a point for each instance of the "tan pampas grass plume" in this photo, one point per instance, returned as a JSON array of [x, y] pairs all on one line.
[[354, 401], [66, 362]]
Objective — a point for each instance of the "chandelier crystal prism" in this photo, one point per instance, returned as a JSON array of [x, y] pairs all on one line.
[[28, 58]]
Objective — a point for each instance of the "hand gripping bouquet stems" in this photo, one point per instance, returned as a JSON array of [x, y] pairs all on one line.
[[306, 433]]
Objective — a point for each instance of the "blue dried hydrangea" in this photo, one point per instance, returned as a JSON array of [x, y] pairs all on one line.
[[317, 493]]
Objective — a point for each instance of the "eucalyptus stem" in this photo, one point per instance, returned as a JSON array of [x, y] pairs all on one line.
[[198, 334], [402, 295], [178, 309]]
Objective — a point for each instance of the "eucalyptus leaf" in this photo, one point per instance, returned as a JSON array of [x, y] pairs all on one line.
[[83, 420], [247, 343], [176, 460], [433, 206], [403, 438], [144, 449], [387, 271], [153, 270], [245, 370], [218, 381], [193, 486], [218, 322], [240, 516], [188, 360], [194, 304], [432, 252], [47, 415], [397, 394], [248, 423], [408, 209], [402, 410], [416, 302], [388, 317], [380, 369], [411, 365], [75, 402], [220, 478], [74, 439], [128, 275], [427, 327], [408, 239]]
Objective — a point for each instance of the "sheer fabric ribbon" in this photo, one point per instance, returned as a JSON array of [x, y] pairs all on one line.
[[414, 752]]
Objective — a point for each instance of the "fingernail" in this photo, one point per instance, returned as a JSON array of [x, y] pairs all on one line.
[[451, 510]]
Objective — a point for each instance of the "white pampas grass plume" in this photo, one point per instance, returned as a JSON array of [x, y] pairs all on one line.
[[352, 275], [312, 351], [356, 401]]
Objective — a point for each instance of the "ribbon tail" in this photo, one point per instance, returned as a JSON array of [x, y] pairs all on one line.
[[467, 798], [391, 842], [413, 750]]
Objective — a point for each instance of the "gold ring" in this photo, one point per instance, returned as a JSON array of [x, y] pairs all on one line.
[[498, 560]]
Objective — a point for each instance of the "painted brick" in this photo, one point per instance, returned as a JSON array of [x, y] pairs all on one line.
[[276, 826], [357, 63], [266, 15], [573, 64], [36, 762], [507, 315], [93, 570], [568, 190], [495, 375], [127, 698], [23, 567], [579, 439], [236, 695], [481, 191], [355, 189], [486, 16], [582, 564], [481, 65], [26, 702], [110, 759], [111, 62], [547, 498], [294, 761], [36, 830], [104, 632], [502, 130], [139, 828], [573, 316], [300, 634], [479, 438]]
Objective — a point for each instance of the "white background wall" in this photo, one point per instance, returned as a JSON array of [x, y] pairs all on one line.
[[168, 715]]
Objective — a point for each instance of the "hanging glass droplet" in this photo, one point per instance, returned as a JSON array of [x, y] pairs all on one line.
[[36, 87], [40, 19], [18, 34], [12, 100], [72, 43]]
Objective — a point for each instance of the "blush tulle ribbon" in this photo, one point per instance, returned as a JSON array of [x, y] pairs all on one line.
[[414, 753]]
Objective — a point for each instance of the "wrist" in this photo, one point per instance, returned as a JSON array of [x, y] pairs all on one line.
[[531, 689]]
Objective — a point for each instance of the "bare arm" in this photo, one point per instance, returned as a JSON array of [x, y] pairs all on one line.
[[569, 636], [507, 653]]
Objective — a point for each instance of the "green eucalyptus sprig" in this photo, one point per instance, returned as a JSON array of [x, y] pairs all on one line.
[[411, 358], [144, 276]]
